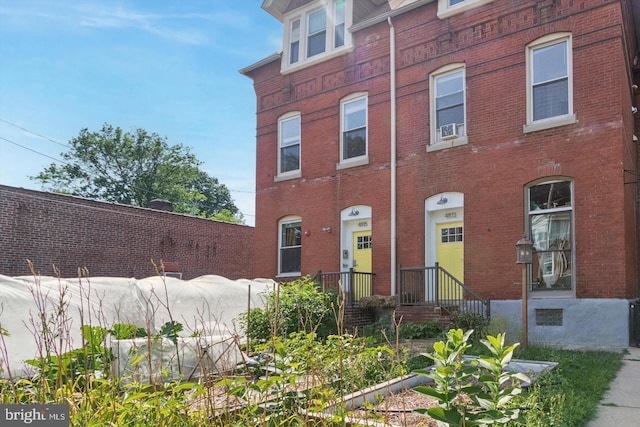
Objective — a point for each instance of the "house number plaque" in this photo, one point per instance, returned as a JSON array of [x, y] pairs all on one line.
[[450, 215], [363, 224]]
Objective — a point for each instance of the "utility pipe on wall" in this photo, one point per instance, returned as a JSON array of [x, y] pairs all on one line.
[[392, 79]]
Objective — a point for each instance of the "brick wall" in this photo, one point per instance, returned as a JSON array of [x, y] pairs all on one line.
[[114, 240], [492, 170]]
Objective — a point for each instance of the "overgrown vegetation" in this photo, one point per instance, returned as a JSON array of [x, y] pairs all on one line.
[[302, 362], [294, 306]]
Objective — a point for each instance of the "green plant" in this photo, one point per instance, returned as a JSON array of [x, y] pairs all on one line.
[[381, 331], [295, 306], [472, 392], [77, 366], [570, 394], [430, 329], [470, 321]]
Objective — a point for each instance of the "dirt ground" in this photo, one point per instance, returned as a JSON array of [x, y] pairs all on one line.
[[397, 410]]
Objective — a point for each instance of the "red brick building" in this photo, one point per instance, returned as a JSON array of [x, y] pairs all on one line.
[[409, 133], [114, 240]]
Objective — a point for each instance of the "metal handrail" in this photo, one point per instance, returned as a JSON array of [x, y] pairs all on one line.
[[436, 286], [354, 284]]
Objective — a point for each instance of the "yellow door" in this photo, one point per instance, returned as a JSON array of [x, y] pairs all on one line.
[[361, 262], [450, 255]]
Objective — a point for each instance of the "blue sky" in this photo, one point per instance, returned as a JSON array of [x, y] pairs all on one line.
[[169, 67]]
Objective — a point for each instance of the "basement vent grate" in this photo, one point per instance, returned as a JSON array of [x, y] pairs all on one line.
[[549, 316]]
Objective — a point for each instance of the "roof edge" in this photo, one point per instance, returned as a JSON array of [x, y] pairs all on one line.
[[246, 71]]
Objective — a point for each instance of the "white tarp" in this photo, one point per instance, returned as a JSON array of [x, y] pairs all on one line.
[[38, 309]]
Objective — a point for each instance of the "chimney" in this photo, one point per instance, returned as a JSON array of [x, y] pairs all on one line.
[[160, 205]]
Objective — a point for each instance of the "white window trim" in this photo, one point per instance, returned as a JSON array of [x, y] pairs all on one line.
[[565, 293], [445, 11], [360, 160], [330, 52], [286, 220], [296, 173], [550, 122], [434, 144]]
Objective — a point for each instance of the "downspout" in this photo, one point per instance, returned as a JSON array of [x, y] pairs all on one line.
[[392, 78]]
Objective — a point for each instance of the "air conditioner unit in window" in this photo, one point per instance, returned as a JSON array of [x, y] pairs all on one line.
[[449, 131]]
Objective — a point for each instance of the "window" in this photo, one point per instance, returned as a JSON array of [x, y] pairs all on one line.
[[448, 107], [338, 25], [363, 242], [294, 42], [448, 8], [314, 33], [550, 224], [290, 246], [451, 235], [354, 127], [289, 145], [549, 83]]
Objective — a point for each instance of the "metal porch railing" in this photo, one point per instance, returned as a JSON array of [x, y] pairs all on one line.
[[354, 284], [436, 286]]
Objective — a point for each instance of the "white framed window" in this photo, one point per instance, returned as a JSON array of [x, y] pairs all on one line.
[[448, 107], [550, 224], [290, 246], [315, 33], [289, 138], [294, 41], [353, 130], [549, 83], [447, 8]]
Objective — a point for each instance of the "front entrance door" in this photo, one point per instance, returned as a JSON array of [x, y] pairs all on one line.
[[361, 260], [450, 256], [362, 251]]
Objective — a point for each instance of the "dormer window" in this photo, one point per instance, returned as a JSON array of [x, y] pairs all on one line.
[[316, 32]]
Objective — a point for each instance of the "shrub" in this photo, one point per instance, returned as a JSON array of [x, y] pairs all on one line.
[[476, 392], [298, 306], [430, 329], [468, 322]]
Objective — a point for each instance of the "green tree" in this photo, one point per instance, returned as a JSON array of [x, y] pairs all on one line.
[[133, 168]]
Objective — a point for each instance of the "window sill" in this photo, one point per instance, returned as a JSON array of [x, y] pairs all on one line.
[[445, 11], [288, 275], [287, 176], [448, 143], [567, 119], [289, 68], [350, 163], [551, 293]]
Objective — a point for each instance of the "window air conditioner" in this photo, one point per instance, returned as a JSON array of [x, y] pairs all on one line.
[[449, 131]]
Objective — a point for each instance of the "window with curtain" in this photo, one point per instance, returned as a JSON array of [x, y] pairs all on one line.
[[550, 225]]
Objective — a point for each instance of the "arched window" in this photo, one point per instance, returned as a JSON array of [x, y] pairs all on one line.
[[290, 246], [550, 225]]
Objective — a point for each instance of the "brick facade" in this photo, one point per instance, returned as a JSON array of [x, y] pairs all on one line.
[[114, 240], [492, 170]]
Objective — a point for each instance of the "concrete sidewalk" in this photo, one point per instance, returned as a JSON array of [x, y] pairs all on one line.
[[620, 406]]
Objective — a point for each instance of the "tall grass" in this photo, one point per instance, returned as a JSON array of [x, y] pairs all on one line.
[[299, 365]]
